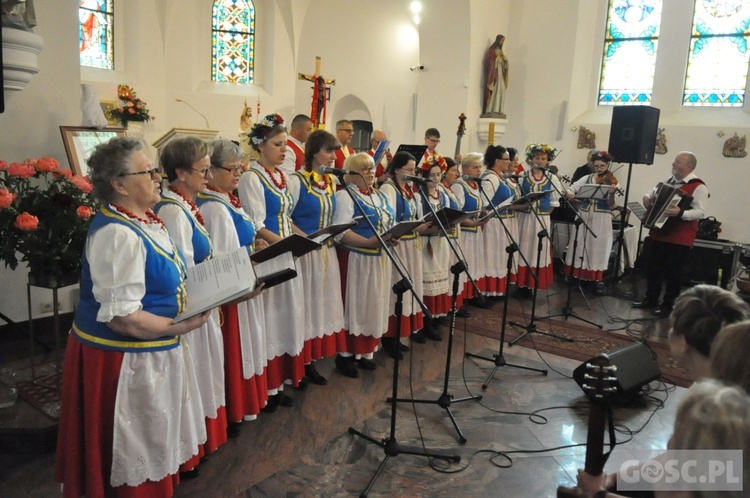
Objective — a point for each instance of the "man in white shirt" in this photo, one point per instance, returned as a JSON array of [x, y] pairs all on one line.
[[344, 134], [294, 158]]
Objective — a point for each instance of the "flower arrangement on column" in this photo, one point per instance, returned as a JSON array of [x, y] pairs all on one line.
[[132, 108], [44, 216]]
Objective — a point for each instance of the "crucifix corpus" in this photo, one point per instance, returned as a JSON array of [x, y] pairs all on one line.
[[321, 87]]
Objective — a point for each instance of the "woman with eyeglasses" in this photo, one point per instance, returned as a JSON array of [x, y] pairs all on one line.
[[314, 206], [365, 268], [407, 205], [498, 189], [242, 323], [130, 415], [187, 165], [267, 199]]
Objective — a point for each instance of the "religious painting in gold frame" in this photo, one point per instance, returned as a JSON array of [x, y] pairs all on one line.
[[108, 106], [80, 141]]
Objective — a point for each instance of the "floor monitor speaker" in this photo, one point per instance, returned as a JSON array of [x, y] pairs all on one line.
[[636, 367], [632, 136]]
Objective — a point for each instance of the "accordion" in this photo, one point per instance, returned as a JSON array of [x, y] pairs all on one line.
[[666, 196]]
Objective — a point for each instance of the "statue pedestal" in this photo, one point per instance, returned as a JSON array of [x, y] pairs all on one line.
[[483, 128], [20, 51]]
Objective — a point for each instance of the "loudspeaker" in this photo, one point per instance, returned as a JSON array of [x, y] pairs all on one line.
[[632, 135], [636, 367]]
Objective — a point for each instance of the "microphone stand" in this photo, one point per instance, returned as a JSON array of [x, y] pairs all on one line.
[[390, 445], [498, 359], [445, 399], [621, 242], [531, 326]]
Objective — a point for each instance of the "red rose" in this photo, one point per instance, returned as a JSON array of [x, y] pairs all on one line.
[[6, 198], [21, 170], [3, 165], [82, 183], [47, 164], [84, 212], [131, 110], [31, 160], [26, 222], [60, 173]]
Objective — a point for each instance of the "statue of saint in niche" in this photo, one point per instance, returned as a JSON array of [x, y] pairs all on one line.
[[496, 79]]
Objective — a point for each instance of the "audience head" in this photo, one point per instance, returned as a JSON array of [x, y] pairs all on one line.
[[110, 162], [729, 355], [185, 155], [320, 144], [344, 131], [265, 130], [301, 127], [699, 314], [431, 138], [226, 159]]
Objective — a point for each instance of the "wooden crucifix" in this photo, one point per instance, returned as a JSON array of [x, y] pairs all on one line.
[[321, 87]]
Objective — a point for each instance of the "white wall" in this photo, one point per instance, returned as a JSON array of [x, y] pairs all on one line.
[[368, 48]]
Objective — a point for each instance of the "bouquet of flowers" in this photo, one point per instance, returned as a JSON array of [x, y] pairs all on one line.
[[44, 216], [132, 109]]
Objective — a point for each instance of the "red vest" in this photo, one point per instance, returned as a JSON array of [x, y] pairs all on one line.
[[675, 230], [299, 155], [340, 158]]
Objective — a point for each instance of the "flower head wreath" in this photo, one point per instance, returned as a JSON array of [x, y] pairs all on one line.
[[532, 149], [433, 160], [601, 155], [262, 129]]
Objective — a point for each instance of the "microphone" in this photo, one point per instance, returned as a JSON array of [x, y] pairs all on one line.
[[505, 176], [196, 110], [468, 178], [416, 179], [338, 173]]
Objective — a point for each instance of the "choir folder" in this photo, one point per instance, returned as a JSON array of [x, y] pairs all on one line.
[[225, 278]]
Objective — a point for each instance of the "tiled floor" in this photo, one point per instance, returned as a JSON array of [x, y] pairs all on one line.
[[307, 450]]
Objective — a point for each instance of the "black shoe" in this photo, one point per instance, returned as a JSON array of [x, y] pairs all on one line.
[[233, 429], [418, 337], [302, 386], [523, 293], [463, 313], [644, 305], [272, 405], [392, 347], [345, 365], [482, 303], [312, 373], [190, 474], [433, 334], [495, 299], [366, 364], [440, 321], [663, 310], [285, 400]]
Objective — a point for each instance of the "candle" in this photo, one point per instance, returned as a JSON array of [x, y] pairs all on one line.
[[491, 134]]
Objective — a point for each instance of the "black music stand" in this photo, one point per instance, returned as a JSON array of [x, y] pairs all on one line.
[[390, 445], [616, 277]]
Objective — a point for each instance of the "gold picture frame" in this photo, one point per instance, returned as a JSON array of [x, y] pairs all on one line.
[[80, 141], [107, 106]]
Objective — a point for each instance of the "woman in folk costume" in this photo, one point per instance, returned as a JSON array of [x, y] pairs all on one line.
[[365, 268], [407, 205], [130, 413], [266, 197], [242, 323], [436, 253], [450, 175], [592, 253], [470, 199], [495, 238], [537, 179], [314, 205], [187, 165]]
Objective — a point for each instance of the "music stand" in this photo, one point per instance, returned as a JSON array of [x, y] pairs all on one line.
[[621, 240], [390, 445]]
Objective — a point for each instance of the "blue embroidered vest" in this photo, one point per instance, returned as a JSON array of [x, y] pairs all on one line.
[[314, 209], [278, 205], [200, 240]]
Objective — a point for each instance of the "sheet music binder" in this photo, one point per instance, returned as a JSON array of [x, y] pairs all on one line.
[[297, 244], [593, 192], [415, 150], [322, 235], [400, 229], [450, 217]]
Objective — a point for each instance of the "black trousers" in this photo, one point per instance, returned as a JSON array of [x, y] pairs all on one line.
[[665, 265]]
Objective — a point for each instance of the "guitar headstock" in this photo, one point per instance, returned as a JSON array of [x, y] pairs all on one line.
[[599, 381], [461, 125]]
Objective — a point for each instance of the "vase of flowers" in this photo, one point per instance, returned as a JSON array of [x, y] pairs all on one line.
[[133, 109], [44, 216]]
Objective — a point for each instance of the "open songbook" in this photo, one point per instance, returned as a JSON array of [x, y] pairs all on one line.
[[225, 278], [322, 235], [594, 192], [449, 217], [507, 202], [400, 229]]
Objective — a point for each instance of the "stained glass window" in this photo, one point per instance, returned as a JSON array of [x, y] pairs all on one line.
[[630, 46], [95, 33], [717, 64], [233, 41]]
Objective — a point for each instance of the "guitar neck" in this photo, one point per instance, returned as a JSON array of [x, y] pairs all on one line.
[[595, 439]]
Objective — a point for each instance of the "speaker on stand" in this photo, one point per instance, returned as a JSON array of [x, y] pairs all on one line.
[[632, 140]]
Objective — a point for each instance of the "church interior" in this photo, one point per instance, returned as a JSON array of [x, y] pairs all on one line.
[[401, 76]]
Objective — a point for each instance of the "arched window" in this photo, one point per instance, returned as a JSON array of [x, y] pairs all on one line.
[[96, 20], [718, 60], [630, 46], [233, 41]]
